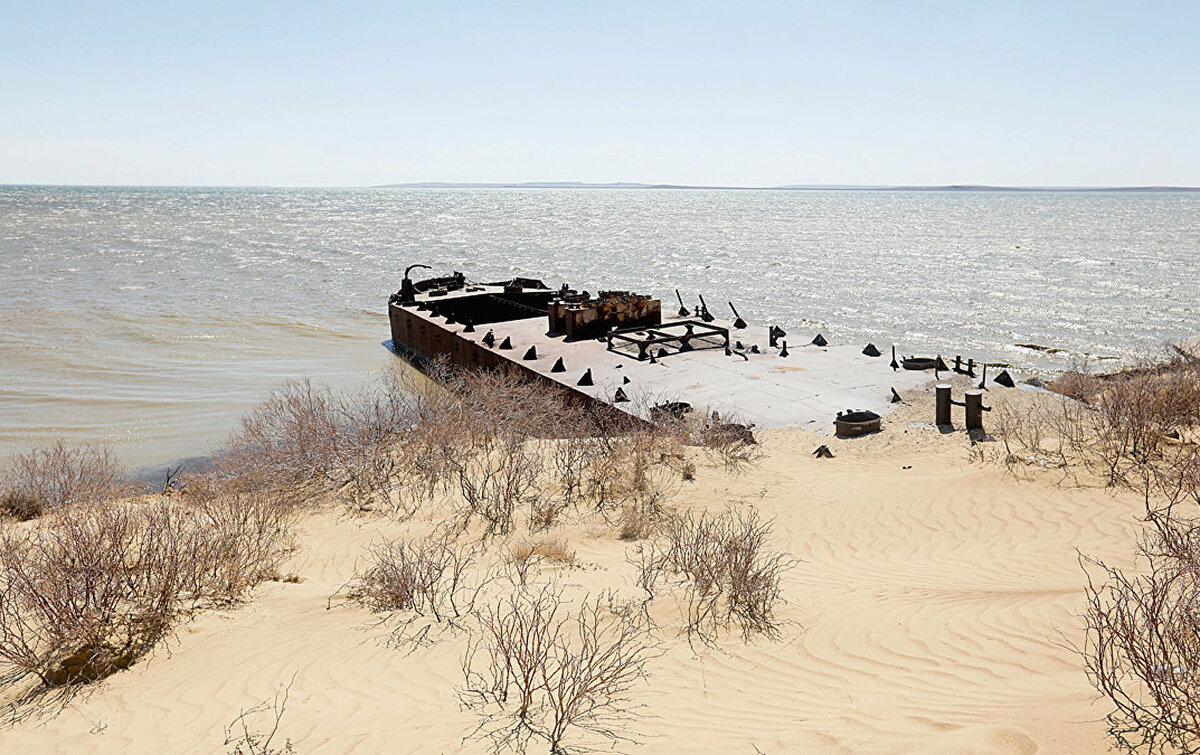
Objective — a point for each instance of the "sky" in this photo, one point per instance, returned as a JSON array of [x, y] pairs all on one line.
[[354, 93]]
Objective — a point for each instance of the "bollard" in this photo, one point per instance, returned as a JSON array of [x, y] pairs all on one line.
[[774, 333], [975, 409], [942, 411]]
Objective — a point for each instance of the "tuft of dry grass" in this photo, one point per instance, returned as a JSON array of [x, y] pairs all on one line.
[[524, 555], [21, 505]]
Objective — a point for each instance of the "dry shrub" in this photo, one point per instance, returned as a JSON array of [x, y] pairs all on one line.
[[245, 739], [246, 538], [541, 670], [1036, 429], [1114, 424], [635, 477], [1142, 646], [499, 477], [730, 440], [429, 577], [85, 595], [1133, 413], [351, 445], [56, 475], [89, 590], [732, 575]]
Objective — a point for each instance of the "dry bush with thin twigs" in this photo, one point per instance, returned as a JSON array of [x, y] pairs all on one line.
[[729, 439], [635, 477], [540, 670], [86, 594], [495, 481], [89, 590], [352, 445], [732, 576], [251, 741], [247, 536], [1142, 642], [428, 577], [53, 476], [1113, 424]]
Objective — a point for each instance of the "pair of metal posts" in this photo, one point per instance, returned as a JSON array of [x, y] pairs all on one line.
[[972, 402]]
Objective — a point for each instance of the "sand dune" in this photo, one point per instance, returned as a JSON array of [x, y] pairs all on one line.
[[931, 610]]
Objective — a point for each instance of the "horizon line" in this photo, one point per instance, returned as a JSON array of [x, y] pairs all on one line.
[[628, 185]]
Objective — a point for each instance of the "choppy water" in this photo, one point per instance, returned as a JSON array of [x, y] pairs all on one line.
[[150, 318]]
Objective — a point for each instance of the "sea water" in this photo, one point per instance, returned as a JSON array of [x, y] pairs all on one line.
[[151, 318]]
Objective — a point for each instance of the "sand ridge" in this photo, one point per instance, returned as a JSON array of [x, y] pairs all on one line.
[[930, 610]]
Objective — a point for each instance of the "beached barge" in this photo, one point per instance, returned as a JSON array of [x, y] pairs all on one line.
[[617, 348]]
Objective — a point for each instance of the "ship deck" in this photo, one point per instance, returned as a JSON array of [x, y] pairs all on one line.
[[805, 389]]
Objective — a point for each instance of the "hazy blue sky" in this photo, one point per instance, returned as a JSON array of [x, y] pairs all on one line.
[[763, 93]]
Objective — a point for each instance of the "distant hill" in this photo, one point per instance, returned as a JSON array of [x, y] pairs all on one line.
[[787, 187]]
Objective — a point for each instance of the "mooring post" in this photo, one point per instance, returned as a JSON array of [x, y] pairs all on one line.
[[975, 409], [942, 412]]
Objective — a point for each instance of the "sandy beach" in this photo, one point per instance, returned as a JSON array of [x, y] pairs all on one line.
[[932, 609]]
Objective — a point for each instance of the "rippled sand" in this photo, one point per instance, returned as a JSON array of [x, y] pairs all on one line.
[[931, 611]]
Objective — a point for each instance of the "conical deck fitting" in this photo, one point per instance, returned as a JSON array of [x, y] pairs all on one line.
[[558, 366], [586, 379]]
